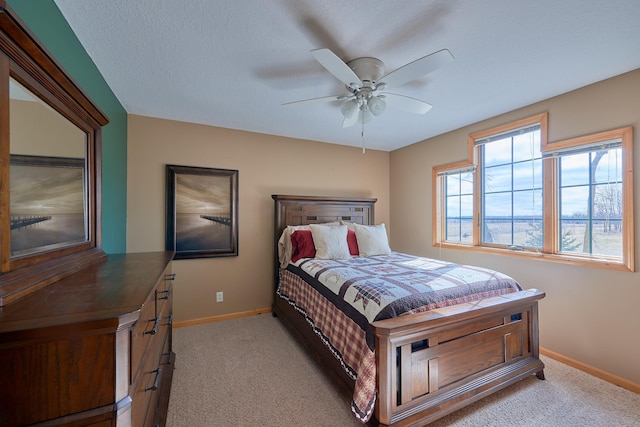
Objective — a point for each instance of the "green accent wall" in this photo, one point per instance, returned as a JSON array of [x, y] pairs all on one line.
[[48, 24]]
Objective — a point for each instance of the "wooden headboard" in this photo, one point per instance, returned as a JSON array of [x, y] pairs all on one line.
[[303, 210]]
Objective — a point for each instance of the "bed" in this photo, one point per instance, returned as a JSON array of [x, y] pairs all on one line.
[[406, 369]]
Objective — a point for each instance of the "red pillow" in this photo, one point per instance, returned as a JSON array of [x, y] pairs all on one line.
[[353, 243], [302, 245]]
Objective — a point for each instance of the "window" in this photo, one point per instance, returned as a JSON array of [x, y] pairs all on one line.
[[570, 201], [593, 184], [511, 188], [459, 206]]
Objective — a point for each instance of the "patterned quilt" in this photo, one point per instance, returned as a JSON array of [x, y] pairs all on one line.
[[340, 298]]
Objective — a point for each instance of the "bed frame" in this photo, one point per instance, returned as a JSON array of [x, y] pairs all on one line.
[[428, 364]]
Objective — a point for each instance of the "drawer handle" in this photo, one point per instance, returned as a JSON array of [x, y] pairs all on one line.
[[170, 354], [171, 276], [169, 320], [156, 323], [155, 382], [166, 294]]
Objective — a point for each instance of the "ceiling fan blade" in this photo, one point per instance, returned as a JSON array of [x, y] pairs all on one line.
[[417, 68], [348, 122], [336, 66], [316, 100], [406, 103]]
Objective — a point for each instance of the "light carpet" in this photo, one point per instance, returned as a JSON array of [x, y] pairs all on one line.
[[251, 372]]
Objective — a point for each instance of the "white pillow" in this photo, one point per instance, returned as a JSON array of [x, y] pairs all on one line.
[[330, 241], [372, 240]]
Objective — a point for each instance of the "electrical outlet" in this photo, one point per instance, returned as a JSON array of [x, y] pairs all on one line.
[[219, 297]]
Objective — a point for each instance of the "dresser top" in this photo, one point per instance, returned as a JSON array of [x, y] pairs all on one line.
[[106, 295]]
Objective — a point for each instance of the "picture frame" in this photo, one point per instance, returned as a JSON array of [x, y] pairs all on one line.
[[201, 212], [47, 203]]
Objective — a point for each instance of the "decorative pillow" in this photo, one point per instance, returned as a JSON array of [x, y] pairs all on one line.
[[284, 242], [352, 242], [372, 240], [330, 241], [302, 245]]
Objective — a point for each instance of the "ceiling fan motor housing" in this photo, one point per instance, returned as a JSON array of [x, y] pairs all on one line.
[[369, 70]]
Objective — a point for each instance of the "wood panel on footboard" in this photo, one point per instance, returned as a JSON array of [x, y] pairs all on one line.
[[433, 363]]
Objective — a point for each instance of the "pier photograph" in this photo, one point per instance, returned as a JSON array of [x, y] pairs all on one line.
[[204, 205], [47, 203]]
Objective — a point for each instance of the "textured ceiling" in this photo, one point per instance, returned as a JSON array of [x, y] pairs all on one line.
[[232, 63]]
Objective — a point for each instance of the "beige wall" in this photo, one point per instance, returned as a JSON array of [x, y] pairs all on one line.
[[54, 136], [267, 165], [589, 314]]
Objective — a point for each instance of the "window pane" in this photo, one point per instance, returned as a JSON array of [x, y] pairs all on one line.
[[572, 235], [459, 230], [497, 152], [527, 204], [591, 212], [466, 183], [453, 230], [527, 175], [526, 146], [453, 184], [527, 215], [498, 231], [466, 206], [574, 169], [607, 238], [609, 167], [530, 234], [497, 178], [466, 228], [498, 205], [459, 207], [453, 207], [574, 202], [497, 219]]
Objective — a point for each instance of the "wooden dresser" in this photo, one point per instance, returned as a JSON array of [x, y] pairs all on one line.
[[91, 349]]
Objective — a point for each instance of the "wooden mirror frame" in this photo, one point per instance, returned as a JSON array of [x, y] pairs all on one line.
[[25, 59]]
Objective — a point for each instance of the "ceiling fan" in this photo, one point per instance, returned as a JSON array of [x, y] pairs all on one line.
[[365, 82]]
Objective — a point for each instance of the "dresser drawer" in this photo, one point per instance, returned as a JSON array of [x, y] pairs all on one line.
[[151, 319], [143, 332], [152, 382], [151, 353], [164, 290], [144, 391], [164, 384]]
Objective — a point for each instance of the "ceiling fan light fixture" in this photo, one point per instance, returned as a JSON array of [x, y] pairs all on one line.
[[381, 86], [376, 105], [349, 108]]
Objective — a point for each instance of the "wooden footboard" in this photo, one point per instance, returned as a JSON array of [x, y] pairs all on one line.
[[433, 363]]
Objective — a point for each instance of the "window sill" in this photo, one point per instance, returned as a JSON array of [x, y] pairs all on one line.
[[541, 256]]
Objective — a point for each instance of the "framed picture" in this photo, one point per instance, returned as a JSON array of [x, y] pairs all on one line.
[[202, 212], [47, 203]]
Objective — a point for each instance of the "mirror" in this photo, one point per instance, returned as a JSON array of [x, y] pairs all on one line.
[[47, 207], [50, 144]]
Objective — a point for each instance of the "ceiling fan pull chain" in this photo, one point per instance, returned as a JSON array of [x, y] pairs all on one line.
[[362, 136]]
